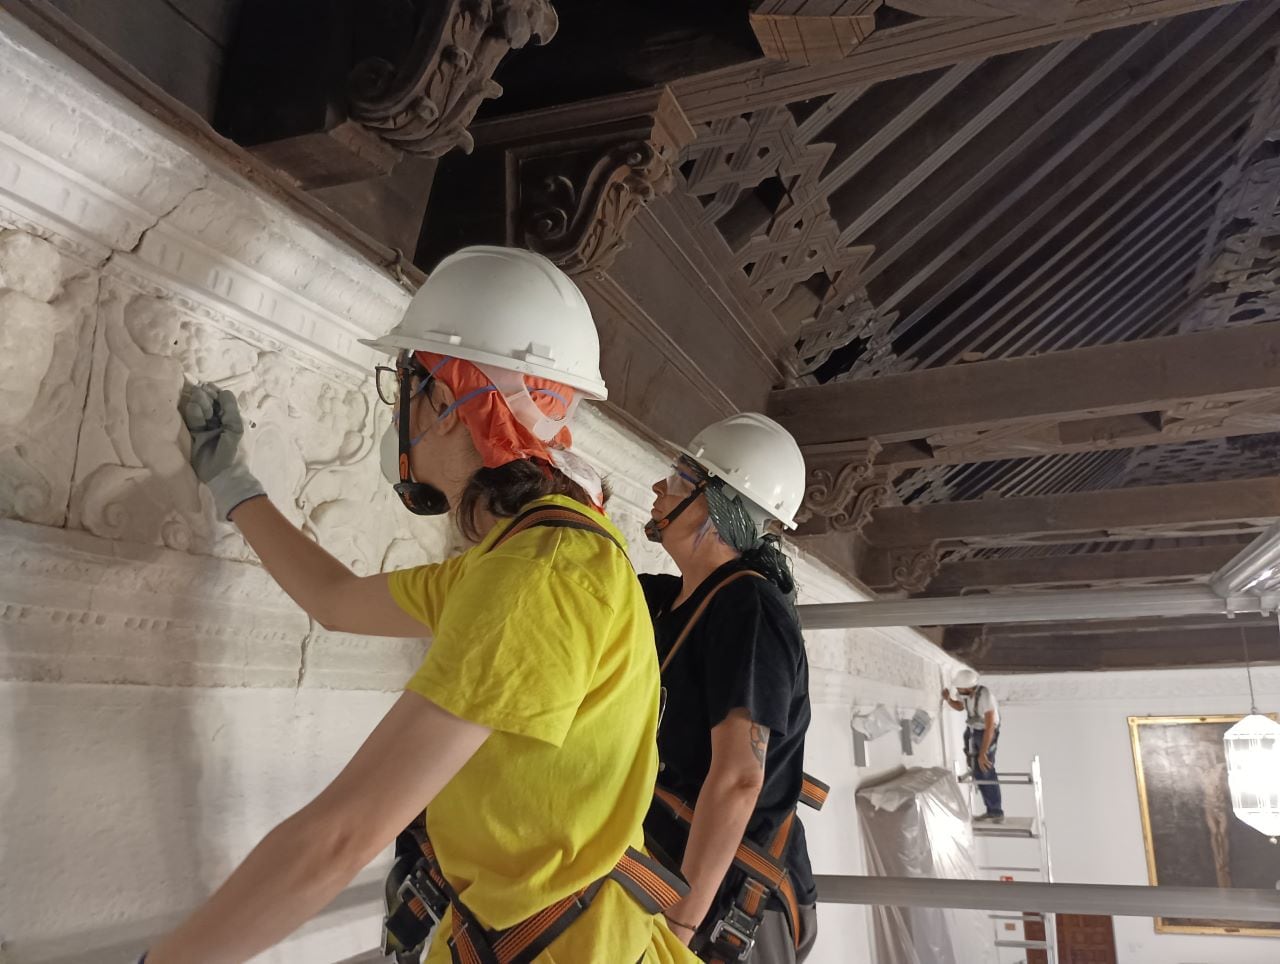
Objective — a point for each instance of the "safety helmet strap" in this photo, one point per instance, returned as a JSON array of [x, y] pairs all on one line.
[[420, 498], [654, 528]]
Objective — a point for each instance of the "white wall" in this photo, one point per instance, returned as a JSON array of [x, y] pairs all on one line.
[[161, 703], [1078, 724]]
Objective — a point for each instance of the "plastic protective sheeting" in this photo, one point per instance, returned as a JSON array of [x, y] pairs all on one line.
[[917, 824], [921, 723], [875, 723]]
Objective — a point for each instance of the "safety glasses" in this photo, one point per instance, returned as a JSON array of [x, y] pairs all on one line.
[[684, 479]]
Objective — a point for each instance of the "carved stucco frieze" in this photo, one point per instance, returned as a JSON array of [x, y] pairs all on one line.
[[46, 329], [310, 436]]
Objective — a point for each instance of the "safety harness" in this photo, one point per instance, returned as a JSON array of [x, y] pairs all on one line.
[[733, 936], [419, 893]]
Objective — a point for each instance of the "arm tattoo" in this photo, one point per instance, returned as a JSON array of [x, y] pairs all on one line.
[[759, 742]]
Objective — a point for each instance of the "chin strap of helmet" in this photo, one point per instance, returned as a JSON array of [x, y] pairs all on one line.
[[419, 498], [654, 528]]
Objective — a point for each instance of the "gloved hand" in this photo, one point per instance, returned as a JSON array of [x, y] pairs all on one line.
[[213, 419]]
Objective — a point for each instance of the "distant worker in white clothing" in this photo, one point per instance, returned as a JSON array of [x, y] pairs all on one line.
[[981, 734]]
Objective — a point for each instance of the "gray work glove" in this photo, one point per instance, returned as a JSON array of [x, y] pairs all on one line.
[[213, 419]]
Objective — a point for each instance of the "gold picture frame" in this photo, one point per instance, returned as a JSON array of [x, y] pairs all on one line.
[[1165, 750]]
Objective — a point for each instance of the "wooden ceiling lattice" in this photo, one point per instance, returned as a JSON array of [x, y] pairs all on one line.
[[1046, 199]]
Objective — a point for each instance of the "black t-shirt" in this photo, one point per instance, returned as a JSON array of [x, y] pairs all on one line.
[[746, 651]]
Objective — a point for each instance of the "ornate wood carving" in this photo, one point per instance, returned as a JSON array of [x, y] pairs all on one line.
[[347, 89], [1241, 284], [424, 104], [759, 181], [913, 569], [575, 210], [565, 182], [845, 496]]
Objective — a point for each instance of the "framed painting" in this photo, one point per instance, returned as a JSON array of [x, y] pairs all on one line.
[[1191, 836]]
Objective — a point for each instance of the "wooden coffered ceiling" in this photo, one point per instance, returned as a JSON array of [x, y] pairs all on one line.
[[1008, 270]]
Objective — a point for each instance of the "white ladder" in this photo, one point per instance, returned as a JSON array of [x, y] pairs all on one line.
[[1031, 828]]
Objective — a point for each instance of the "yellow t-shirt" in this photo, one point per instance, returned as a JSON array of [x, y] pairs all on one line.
[[547, 641]]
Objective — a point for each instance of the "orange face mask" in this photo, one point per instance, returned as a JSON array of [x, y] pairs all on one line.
[[499, 436]]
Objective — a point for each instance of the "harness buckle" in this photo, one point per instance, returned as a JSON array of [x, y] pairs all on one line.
[[416, 885], [739, 925]]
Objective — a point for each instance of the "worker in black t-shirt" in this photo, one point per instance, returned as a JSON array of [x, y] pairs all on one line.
[[736, 688]]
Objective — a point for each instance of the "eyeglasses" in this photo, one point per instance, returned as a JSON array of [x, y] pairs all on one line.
[[387, 378]]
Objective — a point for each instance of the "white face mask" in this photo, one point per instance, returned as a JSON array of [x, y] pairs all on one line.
[[515, 393]]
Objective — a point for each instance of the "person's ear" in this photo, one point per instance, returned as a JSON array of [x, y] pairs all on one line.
[[435, 402]]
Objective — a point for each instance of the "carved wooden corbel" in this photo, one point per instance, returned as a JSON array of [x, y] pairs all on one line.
[[843, 497], [564, 182], [913, 569], [424, 104], [337, 92]]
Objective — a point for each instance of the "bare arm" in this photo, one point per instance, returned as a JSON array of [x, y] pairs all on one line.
[[306, 861], [331, 594], [724, 808], [988, 732], [954, 704]]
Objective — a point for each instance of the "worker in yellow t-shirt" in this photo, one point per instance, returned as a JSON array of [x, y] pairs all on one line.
[[528, 733]]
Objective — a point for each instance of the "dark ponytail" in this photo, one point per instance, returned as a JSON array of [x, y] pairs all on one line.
[[506, 490]]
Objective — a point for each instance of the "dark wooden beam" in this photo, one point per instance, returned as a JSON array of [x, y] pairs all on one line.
[[1110, 514], [1110, 396], [1160, 644], [924, 45], [1148, 566]]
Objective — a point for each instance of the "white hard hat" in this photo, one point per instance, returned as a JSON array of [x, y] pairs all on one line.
[[965, 679], [505, 307], [756, 457]]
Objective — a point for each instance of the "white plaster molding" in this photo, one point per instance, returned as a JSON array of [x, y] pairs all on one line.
[[75, 608], [93, 169], [1129, 686]]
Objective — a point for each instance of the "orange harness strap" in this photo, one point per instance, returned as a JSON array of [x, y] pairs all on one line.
[[426, 894]]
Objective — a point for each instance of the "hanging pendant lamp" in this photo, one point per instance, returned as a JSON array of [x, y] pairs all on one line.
[[1253, 765]]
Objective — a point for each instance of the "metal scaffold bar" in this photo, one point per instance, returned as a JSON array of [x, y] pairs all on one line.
[[1104, 899], [1032, 607]]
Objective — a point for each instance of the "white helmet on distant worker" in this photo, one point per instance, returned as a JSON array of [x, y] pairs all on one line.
[[758, 459], [507, 308], [965, 679]]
